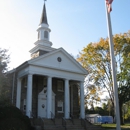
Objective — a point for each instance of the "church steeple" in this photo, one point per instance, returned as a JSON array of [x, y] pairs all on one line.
[[43, 44], [44, 16]]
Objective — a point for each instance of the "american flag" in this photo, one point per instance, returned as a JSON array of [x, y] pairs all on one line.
[[109, 3]]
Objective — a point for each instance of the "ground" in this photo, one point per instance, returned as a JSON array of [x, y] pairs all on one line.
[[113, 126]]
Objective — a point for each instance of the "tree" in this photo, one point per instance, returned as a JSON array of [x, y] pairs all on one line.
[[4, 60], [110, 108], [95, 57], [126, 110], [104, 106], [92, 95]]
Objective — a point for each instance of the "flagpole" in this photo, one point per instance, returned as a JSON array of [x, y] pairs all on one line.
[[116, 100]]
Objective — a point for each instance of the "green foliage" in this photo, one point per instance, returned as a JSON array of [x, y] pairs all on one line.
[[113, 126], [4, 60], [97, 110], [126, 110], [92, 95], [95, 57], [11, 118], [110, 107], [104, 106], [4, 83], [13, 124]]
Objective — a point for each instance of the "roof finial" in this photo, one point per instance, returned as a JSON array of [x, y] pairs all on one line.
[[45, 0]]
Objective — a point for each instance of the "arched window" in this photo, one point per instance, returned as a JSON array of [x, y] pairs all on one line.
[[45, 34]]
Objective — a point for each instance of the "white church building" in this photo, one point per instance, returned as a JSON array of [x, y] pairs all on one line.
[[51, 83]]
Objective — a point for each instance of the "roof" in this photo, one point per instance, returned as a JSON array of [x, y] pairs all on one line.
[[52, 53], [92, 115], [44, 16]]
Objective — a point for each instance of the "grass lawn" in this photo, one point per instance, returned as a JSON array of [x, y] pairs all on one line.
[[113, 126]]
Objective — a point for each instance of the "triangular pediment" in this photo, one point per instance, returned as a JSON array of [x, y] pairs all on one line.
[[58, 59]]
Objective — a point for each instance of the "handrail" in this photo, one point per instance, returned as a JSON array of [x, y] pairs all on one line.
[[31, 114], [72, 118], [42, 123], [88, 119], [33, 118], [52, 117], [83, 123], [64, 123]]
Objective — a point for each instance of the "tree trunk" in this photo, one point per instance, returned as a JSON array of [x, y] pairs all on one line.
[[121, 114]]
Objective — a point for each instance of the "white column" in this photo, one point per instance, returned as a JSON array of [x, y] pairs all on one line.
[[49, 97], [29, 96], [82, 108], [67, 99], [71, 99], [18, 99]]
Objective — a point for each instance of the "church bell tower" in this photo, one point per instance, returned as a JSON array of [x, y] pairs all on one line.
[[43, 44]]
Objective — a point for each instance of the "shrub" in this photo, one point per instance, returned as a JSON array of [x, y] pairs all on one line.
[[13, 124], [11, 118]]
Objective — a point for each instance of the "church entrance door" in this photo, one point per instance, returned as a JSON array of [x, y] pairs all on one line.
[[42, 103]]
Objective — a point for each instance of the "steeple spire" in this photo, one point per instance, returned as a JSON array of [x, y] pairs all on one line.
[[44, 15], [43, 44]]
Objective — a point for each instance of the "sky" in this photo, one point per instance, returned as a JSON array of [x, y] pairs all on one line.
[[73, 24]]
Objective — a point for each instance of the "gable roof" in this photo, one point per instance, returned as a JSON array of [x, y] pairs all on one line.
[[68, 63]]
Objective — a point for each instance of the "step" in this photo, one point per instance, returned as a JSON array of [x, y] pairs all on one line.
[[58, 121], [38, 127], [53, 126], [94, 128], [50, 125], [48, 121], [55, 129], [75, 128]]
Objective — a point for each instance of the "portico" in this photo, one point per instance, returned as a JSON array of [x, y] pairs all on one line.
[[29, 95]]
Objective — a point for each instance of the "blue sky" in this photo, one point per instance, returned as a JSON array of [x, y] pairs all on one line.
[[73, 24]]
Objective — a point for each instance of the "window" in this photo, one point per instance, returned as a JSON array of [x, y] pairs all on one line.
[[60, 86], [38, 36], [24, 105], [60, 106], [25, 82], [45, 34]]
